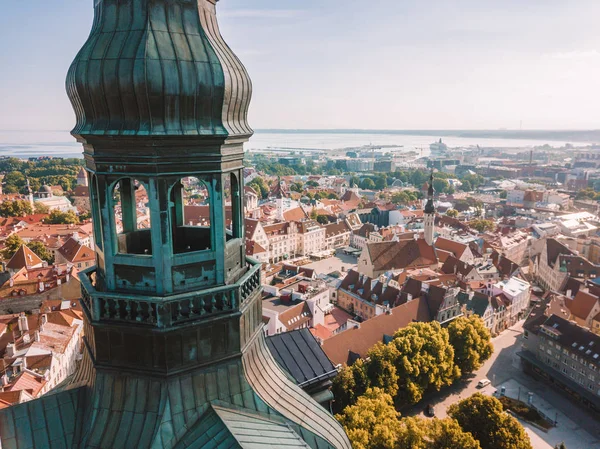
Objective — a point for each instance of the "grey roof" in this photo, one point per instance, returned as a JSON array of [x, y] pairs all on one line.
[[300, 355], [479, 304]]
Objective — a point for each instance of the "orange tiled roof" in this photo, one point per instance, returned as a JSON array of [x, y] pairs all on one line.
[[23, 258]]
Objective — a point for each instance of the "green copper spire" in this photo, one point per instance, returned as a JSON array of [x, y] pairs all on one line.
[[153, 68]]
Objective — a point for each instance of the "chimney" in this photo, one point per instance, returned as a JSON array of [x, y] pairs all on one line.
[[4, 380], [36, 336], [23, 324], [10, 350], [569, 293]]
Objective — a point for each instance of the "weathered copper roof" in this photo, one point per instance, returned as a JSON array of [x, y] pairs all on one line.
[[158, 68]]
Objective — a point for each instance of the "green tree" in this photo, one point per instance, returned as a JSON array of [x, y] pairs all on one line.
[[471, 342], [484, 418], [367, 184], [380, 370], [425, 360], [421, 433], [297, 187], [354, 180], [560, 446], [482, 225], [441, 185], [58, 217], [466, 186], [404, 197], [452, 213], [11, 245], [312, 183], [372, 423], [14, 242], [332, 196], [504, 194], [16, 208], [381, 182], [349, 385], [322, 219], [260, 186], [474, 180], [40, 249]]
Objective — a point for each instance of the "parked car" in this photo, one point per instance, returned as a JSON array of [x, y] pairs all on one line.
[[483, 383], [430, 411]]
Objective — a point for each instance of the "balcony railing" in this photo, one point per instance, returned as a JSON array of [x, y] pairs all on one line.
[[164, 312]]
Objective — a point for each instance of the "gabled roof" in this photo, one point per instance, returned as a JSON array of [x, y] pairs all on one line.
[[253, 248], [73, 251], [479, 304], [23, 258], [582, 304], [455, 248], [333, 229], [386, 256], [435, 298], [296, 214], [300, 355], [365, 230], [350, 197], [250, 225], [452, 265], [554, 249], [503, 264], [359, 340], [295, 317]]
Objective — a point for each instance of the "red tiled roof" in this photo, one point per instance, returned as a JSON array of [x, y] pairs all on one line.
[[371, 332], [455, 248], [295, 214], [23, 258], [387, 256], [582, 304]]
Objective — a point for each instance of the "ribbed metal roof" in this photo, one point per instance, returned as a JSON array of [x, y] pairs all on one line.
[[155, 68], [119, 411]]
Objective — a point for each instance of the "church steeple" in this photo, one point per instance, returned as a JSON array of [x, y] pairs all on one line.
[[173, 310], [429, 213]]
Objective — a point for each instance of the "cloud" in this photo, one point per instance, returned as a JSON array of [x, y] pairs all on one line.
[[574, 55], [262, 13]]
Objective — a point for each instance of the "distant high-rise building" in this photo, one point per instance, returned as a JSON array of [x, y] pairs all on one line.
[[175, 354]]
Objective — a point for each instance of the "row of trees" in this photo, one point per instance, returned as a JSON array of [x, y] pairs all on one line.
[[421, 357], [478, 422]]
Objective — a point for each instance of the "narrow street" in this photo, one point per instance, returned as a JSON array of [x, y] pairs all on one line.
[[575, 423]]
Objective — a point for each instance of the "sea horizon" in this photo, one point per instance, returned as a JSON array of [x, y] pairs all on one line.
[[59, 143]]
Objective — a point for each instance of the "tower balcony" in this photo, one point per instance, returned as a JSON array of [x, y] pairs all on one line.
[[170, 311]]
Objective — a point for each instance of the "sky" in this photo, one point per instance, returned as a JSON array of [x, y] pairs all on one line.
[[378, 64]]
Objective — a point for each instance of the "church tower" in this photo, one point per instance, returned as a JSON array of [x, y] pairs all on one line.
[[429, 213], [174, 349]]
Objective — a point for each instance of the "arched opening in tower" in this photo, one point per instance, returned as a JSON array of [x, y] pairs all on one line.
[[132, 222], [191, 215]]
